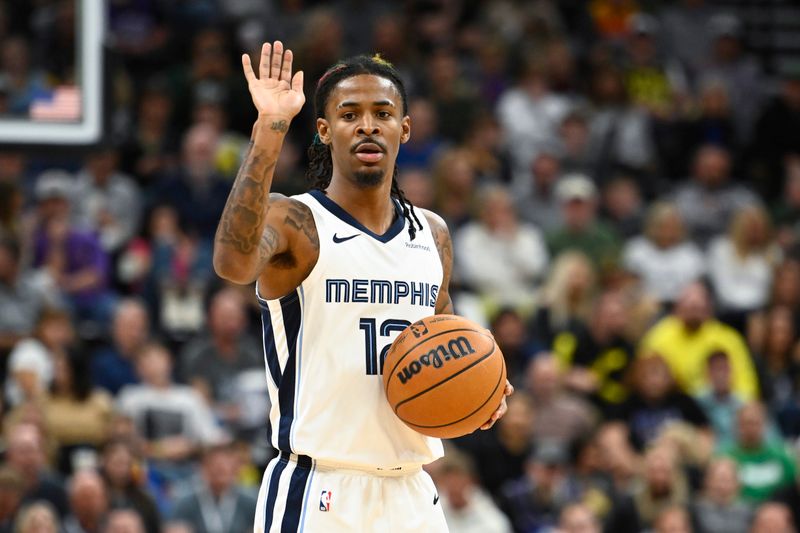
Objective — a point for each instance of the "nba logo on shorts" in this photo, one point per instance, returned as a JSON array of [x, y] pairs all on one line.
[[325, 500]]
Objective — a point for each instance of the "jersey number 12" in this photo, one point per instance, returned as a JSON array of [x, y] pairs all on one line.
[[371, 332]]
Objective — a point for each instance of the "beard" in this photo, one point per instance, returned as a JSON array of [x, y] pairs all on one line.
[[369, 177]]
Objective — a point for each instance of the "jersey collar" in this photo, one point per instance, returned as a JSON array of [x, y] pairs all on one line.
[[397, 225]]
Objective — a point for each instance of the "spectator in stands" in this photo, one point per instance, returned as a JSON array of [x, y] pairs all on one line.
[[30, 365], [511, 335], [530, 113], [217, 502], [535, 191], [417, 185], [738, 70], [578, 518], [620, 134], [173, 419], [661, 256], [421, 151], [486, 148], [196, 190], [690, 334], [597, 355], [785, 212], [454, 181], [773, 518], [534, 501], [467, 507], [574, 139], [720, 509], [38, 517], [114, 366], [566, 297], [72, 257], [514, 254], [673, 519], [740, 264], [12, 487], [622, 205], [560, 416], [653, 81], [774, 140], [709, 199], [721, 404], [107, 200], [124, 521], [25, 81], [26, 455], [181, 270], [456, 102], [763, 467], [214, 362], [78, 416], [22, 296], [581, 230], [151, 147], [655, 404], [88, 503], [499, 455], [663, 485], [712, 125], [121, 473], [779, 366]]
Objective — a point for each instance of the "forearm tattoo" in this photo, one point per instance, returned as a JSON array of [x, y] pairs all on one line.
[[242, 222]]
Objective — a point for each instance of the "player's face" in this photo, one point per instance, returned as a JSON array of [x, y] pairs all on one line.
[[364, 126]]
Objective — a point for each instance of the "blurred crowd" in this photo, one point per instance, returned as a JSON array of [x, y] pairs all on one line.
[[621, 180]]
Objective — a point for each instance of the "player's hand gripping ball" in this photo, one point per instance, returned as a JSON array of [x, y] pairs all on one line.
[[444, 376]]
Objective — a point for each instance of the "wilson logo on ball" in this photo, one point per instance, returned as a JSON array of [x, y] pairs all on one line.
[[455, 349]]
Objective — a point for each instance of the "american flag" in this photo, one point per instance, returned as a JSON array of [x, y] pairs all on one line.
[[64, 103]]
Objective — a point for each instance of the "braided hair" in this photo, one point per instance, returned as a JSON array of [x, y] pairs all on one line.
[[320, 167]]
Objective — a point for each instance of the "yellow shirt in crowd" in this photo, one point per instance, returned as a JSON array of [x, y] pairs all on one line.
[[686, 352]]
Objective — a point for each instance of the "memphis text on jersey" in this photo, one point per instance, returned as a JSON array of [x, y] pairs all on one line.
[[381, 291]]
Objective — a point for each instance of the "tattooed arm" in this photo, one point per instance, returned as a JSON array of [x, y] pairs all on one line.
[[444, 305], [248, 235]]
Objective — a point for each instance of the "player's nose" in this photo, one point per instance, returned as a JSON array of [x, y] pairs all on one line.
[[368, 126]]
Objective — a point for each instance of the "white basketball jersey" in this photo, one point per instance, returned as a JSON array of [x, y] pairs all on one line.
[[324, 343]]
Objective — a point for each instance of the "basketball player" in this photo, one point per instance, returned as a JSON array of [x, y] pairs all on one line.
[[339, 272]]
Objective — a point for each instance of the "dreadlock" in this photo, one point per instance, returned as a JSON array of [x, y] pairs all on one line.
[[320, 167]]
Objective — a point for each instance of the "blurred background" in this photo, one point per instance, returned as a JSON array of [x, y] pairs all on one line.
[[621, 179]]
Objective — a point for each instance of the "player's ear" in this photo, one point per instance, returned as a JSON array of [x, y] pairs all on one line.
[[324, 131], [405, 124]]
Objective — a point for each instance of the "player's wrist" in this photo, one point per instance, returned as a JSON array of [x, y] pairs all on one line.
[[272, 124]]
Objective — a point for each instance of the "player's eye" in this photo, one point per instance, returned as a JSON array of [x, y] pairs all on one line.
[[384, 114], [349, 115]]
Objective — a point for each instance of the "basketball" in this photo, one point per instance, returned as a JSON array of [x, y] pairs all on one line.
[[444, 376]]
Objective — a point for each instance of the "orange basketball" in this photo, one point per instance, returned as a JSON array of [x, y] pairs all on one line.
[[444, 376]]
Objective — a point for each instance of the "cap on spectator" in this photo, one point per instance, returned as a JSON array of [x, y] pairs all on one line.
[[53, 184], [643, 24], [725, 25], [575, 187], [549, 453]]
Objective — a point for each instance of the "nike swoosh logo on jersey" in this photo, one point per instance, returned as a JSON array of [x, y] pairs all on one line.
[[342, 239], [435, 499]]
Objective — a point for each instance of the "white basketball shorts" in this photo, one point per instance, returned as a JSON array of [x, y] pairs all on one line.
[[300, 494]]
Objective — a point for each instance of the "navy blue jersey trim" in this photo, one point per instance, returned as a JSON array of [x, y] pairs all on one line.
[[295, 499], [270, 349], [394, 230], [292, 319], [272, 492]]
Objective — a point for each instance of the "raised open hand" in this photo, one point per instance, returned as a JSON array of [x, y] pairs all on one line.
[[275, 91]]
